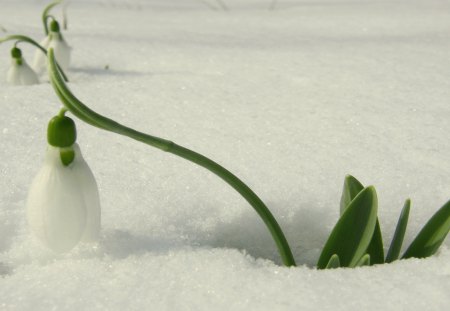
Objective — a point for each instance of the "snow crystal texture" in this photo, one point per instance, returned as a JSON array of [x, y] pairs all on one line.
[[290, 100]]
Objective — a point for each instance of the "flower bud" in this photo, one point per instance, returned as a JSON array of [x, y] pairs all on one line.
[[56, 41], [20, 72], [61, 132], [63, 206]]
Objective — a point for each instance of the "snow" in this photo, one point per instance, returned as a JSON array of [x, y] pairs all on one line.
[[290, 100]]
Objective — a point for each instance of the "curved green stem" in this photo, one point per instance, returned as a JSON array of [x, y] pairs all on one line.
[[86, 114], [22, 38], [45, 13]]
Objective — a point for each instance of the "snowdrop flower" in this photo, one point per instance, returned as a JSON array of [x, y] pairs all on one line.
[[20, 73], [63, 206], [56, 41]]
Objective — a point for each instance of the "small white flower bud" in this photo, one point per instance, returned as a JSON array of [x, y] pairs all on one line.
[[62, 52], [21, 74]]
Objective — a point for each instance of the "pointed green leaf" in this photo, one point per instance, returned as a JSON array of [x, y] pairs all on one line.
[[432, 234], [375, 249], [351, 189], [353, 232], [397, 239], [334, 262], [364, 261]]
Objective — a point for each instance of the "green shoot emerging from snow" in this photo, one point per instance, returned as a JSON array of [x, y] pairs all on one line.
[[356, 239]]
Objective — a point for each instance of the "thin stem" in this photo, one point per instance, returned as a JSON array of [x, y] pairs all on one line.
[[22, 38], [45, 13], [62, 111], [86, 114], [246, 192]]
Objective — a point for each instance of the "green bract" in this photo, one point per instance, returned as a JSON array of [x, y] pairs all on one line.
[[54, 26], [62, 133], [16, 53]]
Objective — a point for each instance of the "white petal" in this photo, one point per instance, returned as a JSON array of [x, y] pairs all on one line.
[[40, 59], [22, 74], [90, 193], [56, 209], [13, 76], [62, 52]]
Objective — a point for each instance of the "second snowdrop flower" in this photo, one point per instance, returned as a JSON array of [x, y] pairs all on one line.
[[56, 41], [63, 205], [20, 73]]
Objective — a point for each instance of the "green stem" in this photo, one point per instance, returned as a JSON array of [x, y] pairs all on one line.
[[86, 114], [32, 42], [45, 14]]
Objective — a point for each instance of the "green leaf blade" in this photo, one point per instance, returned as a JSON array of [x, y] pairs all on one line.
[[334, 262], [352, 187], [375, 249], [399, 235], [364, 261], [353, 232], [432, 235]]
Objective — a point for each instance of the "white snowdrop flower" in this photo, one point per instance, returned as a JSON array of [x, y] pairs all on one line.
[[20, 73], [63, 206], [62, 50]]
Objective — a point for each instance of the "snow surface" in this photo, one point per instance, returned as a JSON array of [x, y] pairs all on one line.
[[290, 100]]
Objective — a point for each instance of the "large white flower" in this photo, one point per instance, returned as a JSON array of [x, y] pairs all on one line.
[[63, 203], [20, 72], [62, 50]]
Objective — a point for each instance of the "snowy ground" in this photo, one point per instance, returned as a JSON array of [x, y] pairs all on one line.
[[290, 100]]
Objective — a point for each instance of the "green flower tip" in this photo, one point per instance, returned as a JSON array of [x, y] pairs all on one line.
[[54, 26], [61, 131], [16, 53]]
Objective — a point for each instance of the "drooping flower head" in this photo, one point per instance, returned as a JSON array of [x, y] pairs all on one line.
[[56, 41], [20, 72], [63, 205]]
